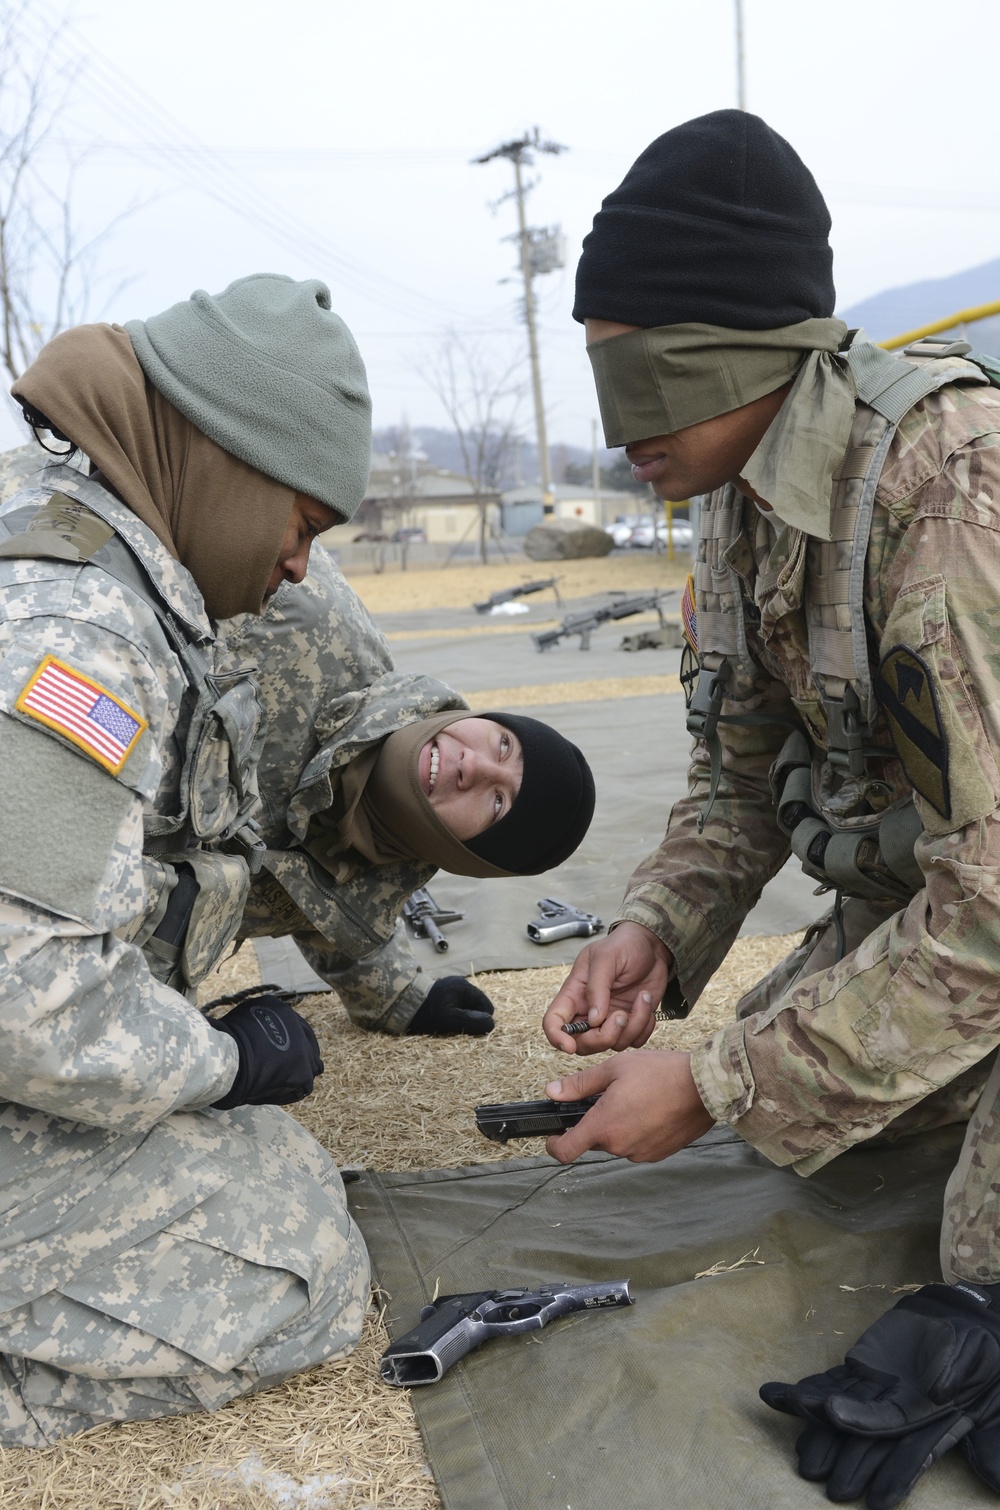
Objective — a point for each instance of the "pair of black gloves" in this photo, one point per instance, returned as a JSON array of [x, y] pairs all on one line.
[[279, 1055], [922, 1379]]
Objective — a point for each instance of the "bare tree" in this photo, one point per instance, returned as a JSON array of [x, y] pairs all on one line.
[[482, 396], [47, 266]]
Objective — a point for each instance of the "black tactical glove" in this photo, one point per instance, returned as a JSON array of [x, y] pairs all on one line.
[[453, 1005], [982, 1445], [918, 1381], [279, 1055], [885, 1469]]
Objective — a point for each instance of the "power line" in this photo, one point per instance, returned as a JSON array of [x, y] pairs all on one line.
[[205, 168], [520, 154]]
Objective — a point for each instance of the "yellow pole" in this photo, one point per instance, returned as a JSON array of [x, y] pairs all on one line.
[[964, 317]]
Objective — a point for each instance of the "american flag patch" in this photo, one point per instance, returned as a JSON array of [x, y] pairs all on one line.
[[689, 615], [82, 711]]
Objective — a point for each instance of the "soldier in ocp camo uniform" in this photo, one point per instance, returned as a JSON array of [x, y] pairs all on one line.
[[172, 1238], [848, 702], [844, 617]]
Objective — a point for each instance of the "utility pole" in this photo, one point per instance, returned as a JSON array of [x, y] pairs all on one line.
[[595, 473], [541, 251], [741, 83]]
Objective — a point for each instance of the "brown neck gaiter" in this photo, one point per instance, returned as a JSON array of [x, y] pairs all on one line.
[[383, 812], [222, 519]]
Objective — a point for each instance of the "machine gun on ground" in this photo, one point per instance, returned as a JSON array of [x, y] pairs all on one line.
[[508, 594], [585, 623], [425, 918]]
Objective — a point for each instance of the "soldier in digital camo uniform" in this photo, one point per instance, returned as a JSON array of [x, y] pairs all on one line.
[[353, 819], [160, 1256], [173, 1239], [330, 694], [847, 706]]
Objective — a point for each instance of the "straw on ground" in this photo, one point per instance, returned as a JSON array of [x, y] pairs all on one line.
[[336, 1438]]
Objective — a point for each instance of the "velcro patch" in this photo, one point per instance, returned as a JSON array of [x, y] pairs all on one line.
[[62, 528], [82, 711], [905, 689]]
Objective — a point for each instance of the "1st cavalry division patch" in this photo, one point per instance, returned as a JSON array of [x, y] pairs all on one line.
[[82, 711], [905, 689]]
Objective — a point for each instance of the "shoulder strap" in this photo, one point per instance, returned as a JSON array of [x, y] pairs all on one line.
[[838, 648], [888, 387], [718, 595], [64, 529], [891, 385]]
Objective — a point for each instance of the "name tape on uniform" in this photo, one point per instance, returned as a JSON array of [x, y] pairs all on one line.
[[82, 711]]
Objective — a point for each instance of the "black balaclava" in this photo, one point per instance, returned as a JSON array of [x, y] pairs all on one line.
[[552, 811], [385, 814], [720, 222]]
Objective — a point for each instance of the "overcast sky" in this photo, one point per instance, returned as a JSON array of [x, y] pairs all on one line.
[[332, 138]]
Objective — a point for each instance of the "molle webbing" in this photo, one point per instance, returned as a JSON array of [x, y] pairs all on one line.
[[721, 630], [838, 648], [888, 388]]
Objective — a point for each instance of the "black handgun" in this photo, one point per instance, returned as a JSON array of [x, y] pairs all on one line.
[[504, 1120], [455, 1324]]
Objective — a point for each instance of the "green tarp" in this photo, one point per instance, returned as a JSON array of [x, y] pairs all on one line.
[[655, 1405]]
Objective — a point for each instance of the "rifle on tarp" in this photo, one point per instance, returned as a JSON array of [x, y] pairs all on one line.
[[425, 918]]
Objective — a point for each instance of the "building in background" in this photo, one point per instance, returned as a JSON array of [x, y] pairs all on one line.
[[421, 504], [521, 508]]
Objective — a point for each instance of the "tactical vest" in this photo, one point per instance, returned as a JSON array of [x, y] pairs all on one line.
[[198, 858], [822, 796]]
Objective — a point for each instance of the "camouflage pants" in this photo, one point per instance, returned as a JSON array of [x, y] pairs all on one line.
[[266, 1276], [970, 1230]]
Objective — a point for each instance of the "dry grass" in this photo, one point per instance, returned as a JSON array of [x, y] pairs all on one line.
[[460, 586], [336, 1438]]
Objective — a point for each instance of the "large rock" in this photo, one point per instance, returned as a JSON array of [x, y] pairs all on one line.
[[566, 540]]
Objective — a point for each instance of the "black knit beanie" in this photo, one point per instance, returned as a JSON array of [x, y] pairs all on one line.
[[719, 222], [553, 808]]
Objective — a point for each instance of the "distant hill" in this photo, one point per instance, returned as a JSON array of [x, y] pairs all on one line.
[[896, 310], [889, 313], [440, 449]]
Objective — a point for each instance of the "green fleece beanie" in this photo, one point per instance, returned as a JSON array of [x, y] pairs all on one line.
[[273, 376]]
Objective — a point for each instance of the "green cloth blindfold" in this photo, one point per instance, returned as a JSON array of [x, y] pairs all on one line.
[[653, 382]]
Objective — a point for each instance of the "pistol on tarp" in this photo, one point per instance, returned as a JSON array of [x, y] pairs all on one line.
[[560, 920], [456, 1324], [585, 623], [425, 918], [508, 594]]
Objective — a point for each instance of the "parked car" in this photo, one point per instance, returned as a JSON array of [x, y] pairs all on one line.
[[682, 532], [409, 537], [620, 532], [643, 533], [638, 532]]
